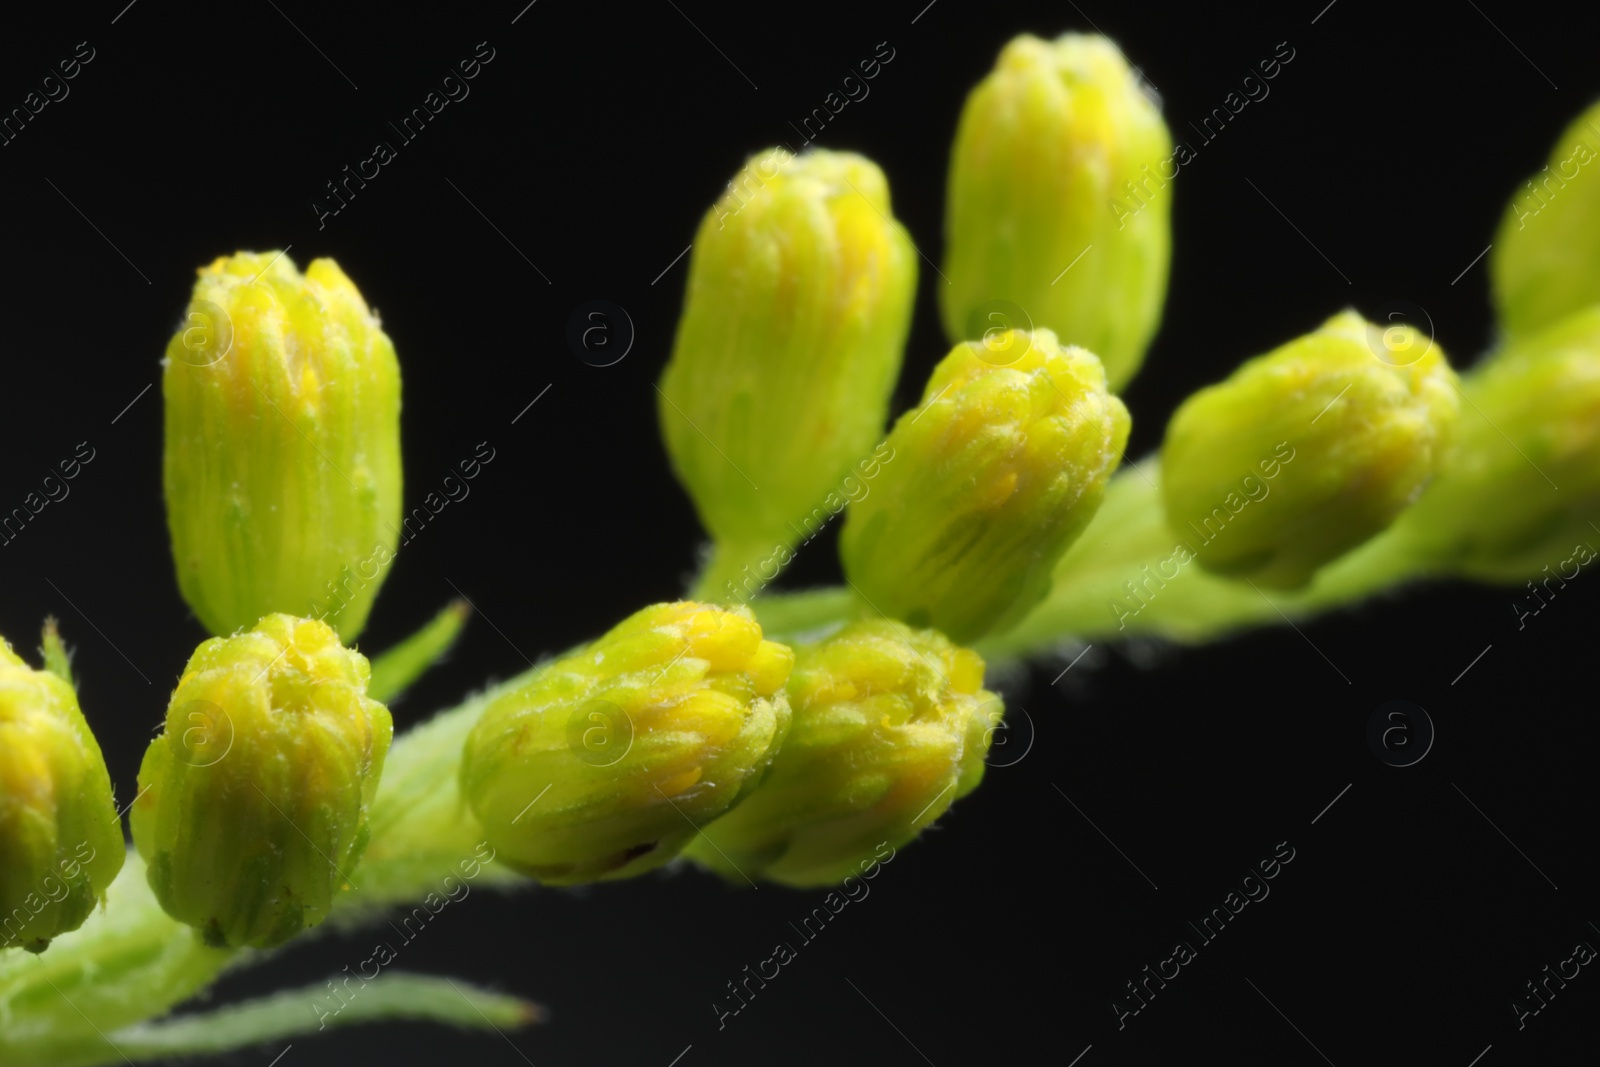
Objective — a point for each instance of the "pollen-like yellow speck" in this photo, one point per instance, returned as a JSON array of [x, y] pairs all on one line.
[[996, 492], [676, 784], [310, 385]]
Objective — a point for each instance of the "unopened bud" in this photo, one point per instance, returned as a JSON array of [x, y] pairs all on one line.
[[611, 759], [1545, 261], [252, 814], [1060, 200], [1520, 493], [1309, 450], [60, 834], [282, 466], [799, 300], [890, 727], [994, 474]]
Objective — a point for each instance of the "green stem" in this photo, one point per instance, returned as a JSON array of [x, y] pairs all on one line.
[[422, 829], [727, 565], [793, 615], [131, 962], [128, 963]]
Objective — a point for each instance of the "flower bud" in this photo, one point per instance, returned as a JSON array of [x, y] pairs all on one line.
[[1307, 451], [890, 725], [1545, 262], [1520, 492], [282, 464], [1059, 157], [993, 476], [253, 807], [60, 834], [610, 759], [799, 300]]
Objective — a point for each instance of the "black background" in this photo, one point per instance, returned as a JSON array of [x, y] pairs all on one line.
[[594, 141]]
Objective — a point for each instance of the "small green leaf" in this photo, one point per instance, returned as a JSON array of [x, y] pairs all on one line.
[[57, 660], [395, 670], [303, 1012]]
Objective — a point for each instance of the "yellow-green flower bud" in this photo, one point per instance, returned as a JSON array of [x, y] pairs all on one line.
[[1521, 486], [1058, 212], [799, 300], [282, 464], [610, 759], [890, 726], [252, 814], [993, 476], [1545, 262], [60, 835], [1307, 451]]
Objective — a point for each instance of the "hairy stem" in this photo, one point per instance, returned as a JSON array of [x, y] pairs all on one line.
[[422, 829], [732, 573], [128, 963], [791, 615]]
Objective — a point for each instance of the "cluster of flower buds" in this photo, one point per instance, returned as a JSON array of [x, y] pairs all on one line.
[[687, 729], [1495, 476], [1354, 458], [673, 731], [786, 355], [684, 730], [282, 473], [1523, 485], [610, 759], [797, 752]]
